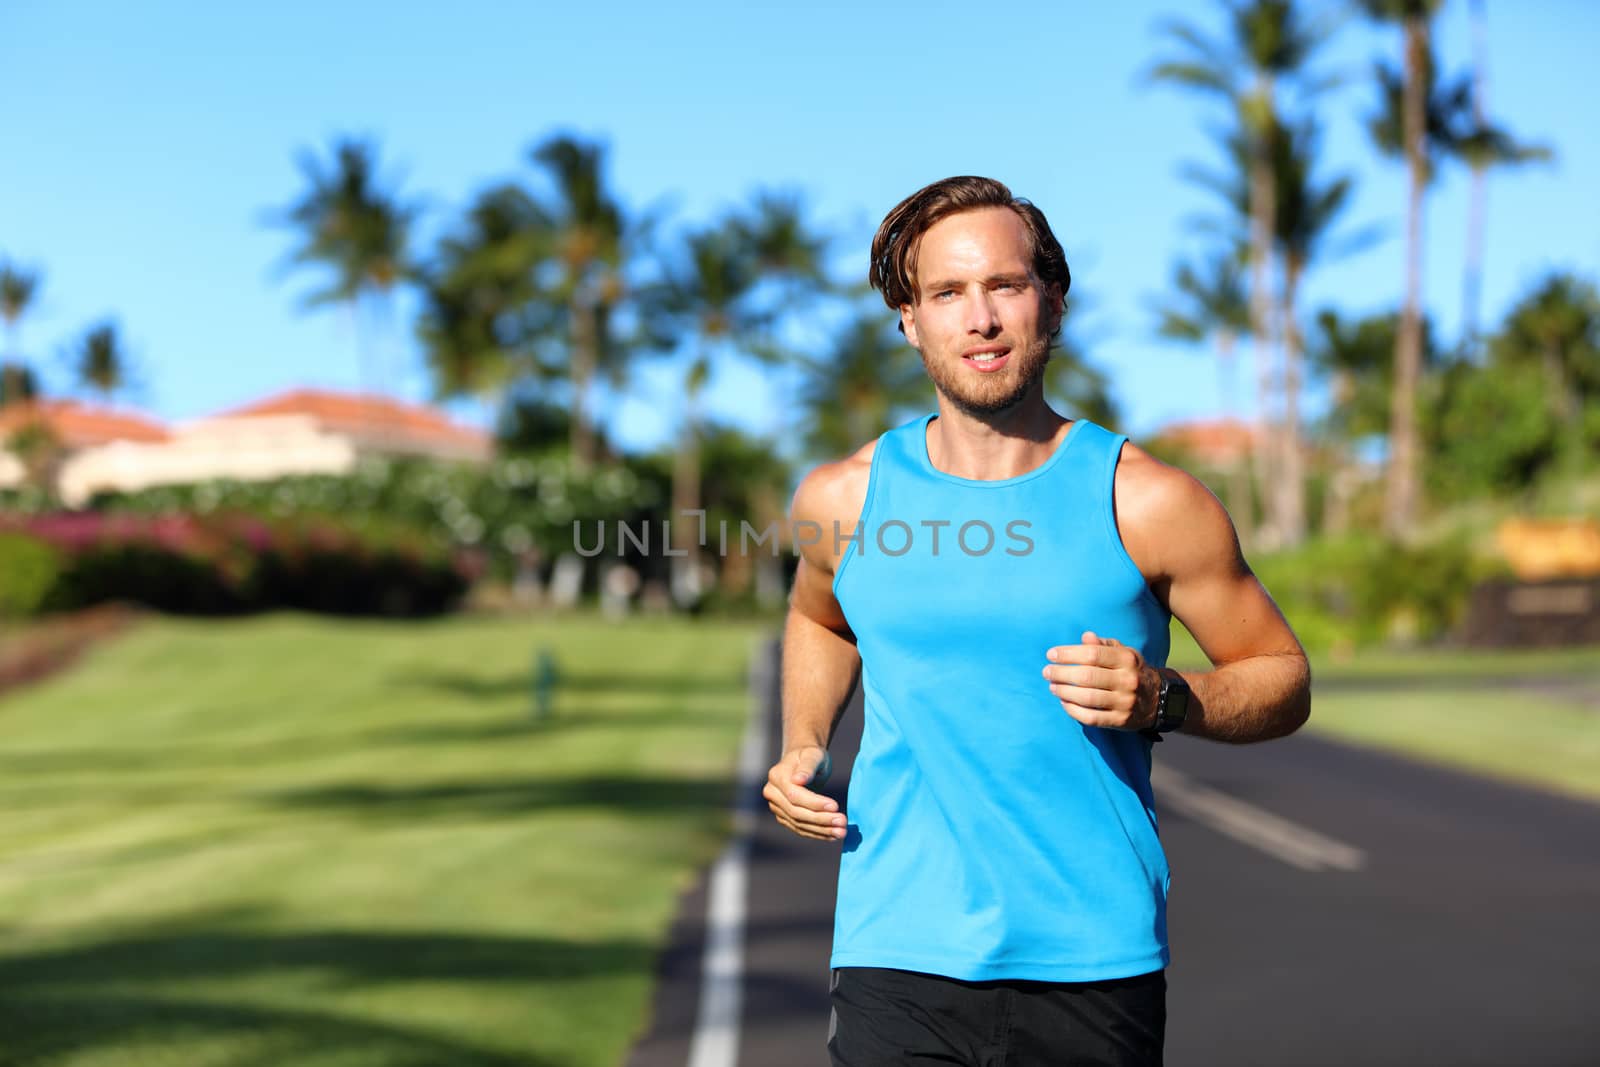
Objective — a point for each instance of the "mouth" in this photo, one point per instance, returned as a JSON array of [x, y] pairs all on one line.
[[987, 361]]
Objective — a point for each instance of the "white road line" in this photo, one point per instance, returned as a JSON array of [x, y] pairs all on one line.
[[716, 1030], [1288, 841]]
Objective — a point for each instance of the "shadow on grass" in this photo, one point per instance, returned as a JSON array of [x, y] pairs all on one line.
[[59, 1001], [642, 796], [222, 753], [588, 683], [45, 1028], [561, 720]]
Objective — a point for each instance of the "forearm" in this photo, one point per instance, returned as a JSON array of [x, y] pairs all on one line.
[[820, 668], [1252, 699]]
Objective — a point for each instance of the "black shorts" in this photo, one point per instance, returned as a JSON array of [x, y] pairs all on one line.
[[886, 1017]]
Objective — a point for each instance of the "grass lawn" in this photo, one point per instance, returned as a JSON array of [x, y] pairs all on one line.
[[299, 841], [1531, 717]]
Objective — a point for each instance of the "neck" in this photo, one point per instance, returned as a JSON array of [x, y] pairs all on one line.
[[991, 447]]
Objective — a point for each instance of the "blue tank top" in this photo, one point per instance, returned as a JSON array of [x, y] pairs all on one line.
[[992, 835]]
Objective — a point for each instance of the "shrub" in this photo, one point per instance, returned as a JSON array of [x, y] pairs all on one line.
[[170, 563], [501, 511], [29, 570], [229, 563], [1366, 589], [315, 564]]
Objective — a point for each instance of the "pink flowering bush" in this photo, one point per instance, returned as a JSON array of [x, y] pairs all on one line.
[[227, 563]]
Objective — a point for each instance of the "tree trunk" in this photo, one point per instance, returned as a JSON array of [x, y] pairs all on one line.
[[1563, 399], [1240, 505], [1291, 487], [1400, 497], [1263, 208], [13, 372], [686, 497], [1341, 474], [1472, 280], [685, 527], [583, 359], [371, 426]]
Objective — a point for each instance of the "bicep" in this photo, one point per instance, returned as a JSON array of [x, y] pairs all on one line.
[[812, 596], [1217, 597], [824, 498]]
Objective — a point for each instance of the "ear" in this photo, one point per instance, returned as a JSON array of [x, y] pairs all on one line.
[[1054, 312], [908, 325]]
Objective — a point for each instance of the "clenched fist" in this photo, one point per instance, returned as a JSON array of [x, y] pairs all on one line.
[[1104, 683], [797, 808]]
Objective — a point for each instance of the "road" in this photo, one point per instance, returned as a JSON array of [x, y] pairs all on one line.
[[1330, 905]]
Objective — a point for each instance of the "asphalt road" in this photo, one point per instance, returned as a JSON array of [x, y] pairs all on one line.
[[1329, 906]]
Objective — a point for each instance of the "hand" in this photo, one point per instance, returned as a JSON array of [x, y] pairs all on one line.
[[796, 807], [1104, 683]]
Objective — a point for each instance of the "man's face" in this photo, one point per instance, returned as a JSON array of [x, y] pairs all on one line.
[[981, 320]]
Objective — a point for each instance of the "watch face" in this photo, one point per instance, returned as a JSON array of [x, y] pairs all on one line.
[[1174, 704]]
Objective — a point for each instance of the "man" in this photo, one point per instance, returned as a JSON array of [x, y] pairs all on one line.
[[1002, 578]]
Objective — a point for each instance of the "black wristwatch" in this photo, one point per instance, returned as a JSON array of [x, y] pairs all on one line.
[[1172, 707]]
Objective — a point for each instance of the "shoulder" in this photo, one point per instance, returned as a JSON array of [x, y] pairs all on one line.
[[1166, 515], [832, 493], [835, 490]]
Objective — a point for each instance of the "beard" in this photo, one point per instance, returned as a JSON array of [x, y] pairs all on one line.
[[984, 395]]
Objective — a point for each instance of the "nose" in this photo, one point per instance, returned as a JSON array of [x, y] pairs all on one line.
[[981, 317]]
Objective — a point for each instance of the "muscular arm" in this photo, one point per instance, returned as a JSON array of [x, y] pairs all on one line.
[[1182, 539], [820, 660]]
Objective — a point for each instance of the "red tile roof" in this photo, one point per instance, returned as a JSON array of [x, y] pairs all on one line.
[[78, 425], [1214, 440], [353, 413]]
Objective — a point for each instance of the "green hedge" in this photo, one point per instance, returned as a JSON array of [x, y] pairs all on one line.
[[231, 563], [1366, 589], [500, 511], [29, 570]]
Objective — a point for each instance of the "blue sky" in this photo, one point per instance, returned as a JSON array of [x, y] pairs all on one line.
[[146, 143]]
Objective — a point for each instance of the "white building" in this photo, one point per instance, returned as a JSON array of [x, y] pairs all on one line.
[[305, 431]]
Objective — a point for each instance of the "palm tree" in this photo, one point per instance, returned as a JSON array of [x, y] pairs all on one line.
[[1269, 42], [1555, 332], [868, 381], [19, 288], [353, 228], [1070, 379], [101, 363], [1213, 307], [1307, 211], [1232, 186], [709, 296], [745, 480], [1482, 146], [783, 242], [790, 252], [1358, 358], [1414, 122], [585, 236], [40, 452], [705, 298], [17, 384], [484, 310]]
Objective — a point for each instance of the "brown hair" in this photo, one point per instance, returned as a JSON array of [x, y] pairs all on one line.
[[894, 248]]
